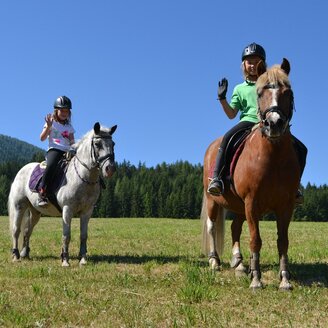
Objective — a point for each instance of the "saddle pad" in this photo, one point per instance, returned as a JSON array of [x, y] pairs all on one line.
[[35, 178], [56, 183]]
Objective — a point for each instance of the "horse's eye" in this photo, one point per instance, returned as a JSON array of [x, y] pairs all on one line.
[[98, 144]]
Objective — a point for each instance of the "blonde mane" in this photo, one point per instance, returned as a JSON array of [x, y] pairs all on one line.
[[274, 75]]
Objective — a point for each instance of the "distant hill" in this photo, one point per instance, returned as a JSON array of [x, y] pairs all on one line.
[[12, 149]]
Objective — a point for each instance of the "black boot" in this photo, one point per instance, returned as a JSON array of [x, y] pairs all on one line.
[[42, 200], [216, 186]]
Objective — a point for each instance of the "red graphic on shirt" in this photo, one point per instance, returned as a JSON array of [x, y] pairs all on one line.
[[65, 134]]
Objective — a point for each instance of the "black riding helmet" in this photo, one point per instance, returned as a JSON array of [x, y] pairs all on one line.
[[253, 49], [63, 102]]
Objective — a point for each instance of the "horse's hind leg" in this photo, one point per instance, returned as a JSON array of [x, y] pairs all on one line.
[[16, 217], [237, 258], [28, 229], [215, 230]]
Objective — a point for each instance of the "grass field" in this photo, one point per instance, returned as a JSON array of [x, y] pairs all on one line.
[[150, 273]]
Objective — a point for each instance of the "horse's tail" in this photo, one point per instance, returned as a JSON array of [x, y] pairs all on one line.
[[219, 224]]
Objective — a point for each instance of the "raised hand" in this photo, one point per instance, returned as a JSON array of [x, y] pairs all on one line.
[[222, 89], [49, 119]]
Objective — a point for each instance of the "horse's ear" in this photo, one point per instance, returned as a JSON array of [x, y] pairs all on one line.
[[261, 68], [96, 128], [285, 66], [112, 129]]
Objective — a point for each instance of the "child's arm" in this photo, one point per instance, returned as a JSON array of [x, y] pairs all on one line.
[[230, 112], [46, 129]]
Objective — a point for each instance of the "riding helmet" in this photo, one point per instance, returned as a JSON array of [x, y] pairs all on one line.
[[253, 49], [63, 102]]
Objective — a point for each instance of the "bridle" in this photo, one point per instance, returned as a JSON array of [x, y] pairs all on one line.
[[97, 162], [276, 109]]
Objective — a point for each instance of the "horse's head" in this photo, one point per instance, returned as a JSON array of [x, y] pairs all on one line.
[[102, 149], [275, 100]]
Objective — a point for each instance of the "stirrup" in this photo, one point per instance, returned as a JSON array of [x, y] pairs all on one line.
[[42, 200], [216, 186]]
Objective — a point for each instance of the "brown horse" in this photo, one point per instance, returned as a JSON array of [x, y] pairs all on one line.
[[265, 180]]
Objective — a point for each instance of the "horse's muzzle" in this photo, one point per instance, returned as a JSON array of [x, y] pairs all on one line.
[[274, 123], [108, 170]]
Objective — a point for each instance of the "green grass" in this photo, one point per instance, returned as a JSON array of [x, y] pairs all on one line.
[[150, 273]]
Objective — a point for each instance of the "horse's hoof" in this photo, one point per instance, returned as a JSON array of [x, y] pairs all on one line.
[[240, 270], [236, 260], [214, 264], [65, 264], [285, 285], [83, 261], [25, 253], [256, 284], [16, 259]]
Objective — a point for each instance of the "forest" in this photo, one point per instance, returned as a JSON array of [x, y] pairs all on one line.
[[164, 191]]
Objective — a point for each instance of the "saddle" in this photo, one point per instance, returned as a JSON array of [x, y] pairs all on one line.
[[59, 179], [233, 150]]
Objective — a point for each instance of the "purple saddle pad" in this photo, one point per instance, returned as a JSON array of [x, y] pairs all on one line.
[[57, 181], [35, 178]]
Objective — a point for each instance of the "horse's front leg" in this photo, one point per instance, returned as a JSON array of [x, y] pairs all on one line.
[[66, 238], [283, 243], [255, 247], [237, 257], [84, 221]]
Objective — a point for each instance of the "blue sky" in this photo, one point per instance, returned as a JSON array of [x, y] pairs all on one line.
[[152, 68]]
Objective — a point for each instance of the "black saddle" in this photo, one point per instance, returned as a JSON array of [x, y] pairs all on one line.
[[233, 151]]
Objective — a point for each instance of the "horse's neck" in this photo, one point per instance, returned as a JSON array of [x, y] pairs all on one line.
[[84, 164], [273, 148]]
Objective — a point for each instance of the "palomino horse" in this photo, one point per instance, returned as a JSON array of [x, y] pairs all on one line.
[[76, 197], [265, 179]]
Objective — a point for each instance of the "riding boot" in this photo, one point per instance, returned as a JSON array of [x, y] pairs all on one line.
[[42, 200], [216, 186]]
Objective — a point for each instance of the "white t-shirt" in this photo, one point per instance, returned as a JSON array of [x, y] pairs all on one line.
[[59, 136]]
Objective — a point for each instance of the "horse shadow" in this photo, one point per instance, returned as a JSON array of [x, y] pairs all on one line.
[[310, 274], [136, 259], [304, 274]]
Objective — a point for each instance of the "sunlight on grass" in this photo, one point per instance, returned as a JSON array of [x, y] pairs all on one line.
[[150, 273]]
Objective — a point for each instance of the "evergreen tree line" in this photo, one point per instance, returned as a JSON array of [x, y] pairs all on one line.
[[167, 190]]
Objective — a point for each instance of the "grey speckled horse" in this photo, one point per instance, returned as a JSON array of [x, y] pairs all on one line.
[[76, 198]]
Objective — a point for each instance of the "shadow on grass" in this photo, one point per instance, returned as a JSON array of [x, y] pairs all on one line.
[[305, 274], [309, 274], [136, 259]]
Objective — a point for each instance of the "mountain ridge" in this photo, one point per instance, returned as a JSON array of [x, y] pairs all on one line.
[[13, 149]]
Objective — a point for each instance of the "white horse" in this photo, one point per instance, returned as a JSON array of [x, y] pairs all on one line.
[[77, 197]]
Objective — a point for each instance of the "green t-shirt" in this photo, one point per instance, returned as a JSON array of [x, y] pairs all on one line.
[[244, 99]]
